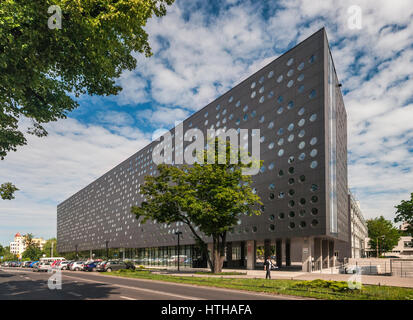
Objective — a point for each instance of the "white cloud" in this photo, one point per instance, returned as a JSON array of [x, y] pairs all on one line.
[[162, 116], [49, 170]]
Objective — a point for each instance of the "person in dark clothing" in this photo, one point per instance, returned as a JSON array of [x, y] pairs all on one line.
[[267, 267]]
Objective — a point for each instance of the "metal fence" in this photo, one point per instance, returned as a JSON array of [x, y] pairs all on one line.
[[385, 267], [401, 267]]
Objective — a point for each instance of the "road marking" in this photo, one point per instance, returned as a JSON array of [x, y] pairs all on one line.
[[127, 298], [178, 296], [74, 294]]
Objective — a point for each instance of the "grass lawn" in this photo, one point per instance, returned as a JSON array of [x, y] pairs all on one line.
[[320, 289], [232, 273]]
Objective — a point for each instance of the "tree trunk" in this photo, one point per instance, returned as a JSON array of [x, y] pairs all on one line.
[[218, 254]]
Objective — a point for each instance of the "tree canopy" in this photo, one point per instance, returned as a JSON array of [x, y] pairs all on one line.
[[47, 248], [7, 190], [209, 199], [383, 233], [43, 69], [404, 213]]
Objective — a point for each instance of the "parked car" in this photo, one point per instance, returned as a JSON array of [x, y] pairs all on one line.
[[33, 264], [63, 265], [77, 266], [26, 264], [43, 266], [113, 265], [91, 266]]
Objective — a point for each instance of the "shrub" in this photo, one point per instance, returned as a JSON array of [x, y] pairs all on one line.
[[335, 286]]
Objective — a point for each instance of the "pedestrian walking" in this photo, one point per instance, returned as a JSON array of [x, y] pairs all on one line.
[[267, 267]]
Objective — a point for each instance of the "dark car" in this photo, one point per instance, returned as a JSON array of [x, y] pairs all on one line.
[[91, 266], [113, 265], [26, 264]]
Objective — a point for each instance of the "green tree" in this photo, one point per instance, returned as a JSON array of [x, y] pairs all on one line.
[[209, 199], [383, 233], [32, 252], [404, 213], [47, 248], [7, 255], [42, 69], [7, 190]]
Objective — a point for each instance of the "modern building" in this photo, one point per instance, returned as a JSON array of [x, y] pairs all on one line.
[[297, 104]]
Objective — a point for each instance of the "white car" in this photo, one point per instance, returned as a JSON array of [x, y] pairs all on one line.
[[63, 265], [77, 266], [44, 266]]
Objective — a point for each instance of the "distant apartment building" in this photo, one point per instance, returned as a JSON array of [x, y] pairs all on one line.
[[355, 247], [18, 246], [403, 249]]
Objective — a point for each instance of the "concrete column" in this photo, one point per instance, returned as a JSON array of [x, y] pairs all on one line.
[[331, 254], [123, 253], [278, 252], [90, 254], [288, 252], [325, 253], [267, 248], [317, 254], [242, 253], [250, 254], [306, 256]]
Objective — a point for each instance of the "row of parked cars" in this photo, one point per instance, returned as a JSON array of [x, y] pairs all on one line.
[[89, 265], [95, 265]]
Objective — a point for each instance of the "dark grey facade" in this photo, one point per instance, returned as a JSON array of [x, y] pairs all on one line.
[[297, 104]]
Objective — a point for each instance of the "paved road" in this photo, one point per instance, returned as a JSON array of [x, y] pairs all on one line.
[[19, 284]]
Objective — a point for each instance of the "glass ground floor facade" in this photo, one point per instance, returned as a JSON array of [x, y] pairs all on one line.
[[190, 256]]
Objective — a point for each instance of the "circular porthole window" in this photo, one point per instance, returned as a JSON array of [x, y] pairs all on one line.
[[253, 85], [300, 66], [280, 78], [314, 211], [302, 178], [281, 215], [303, 224], [272, 227], [291, 214], [313, 117], [313, 164], [290, 61], [292, 225], [314, 223]]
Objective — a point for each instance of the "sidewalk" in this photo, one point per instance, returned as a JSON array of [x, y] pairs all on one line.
[[295, 275]]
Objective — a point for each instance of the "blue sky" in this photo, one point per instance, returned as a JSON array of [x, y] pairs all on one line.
[[201, 50]]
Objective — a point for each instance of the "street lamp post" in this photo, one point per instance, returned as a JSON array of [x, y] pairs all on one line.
[[107, 250], [178, 233]]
